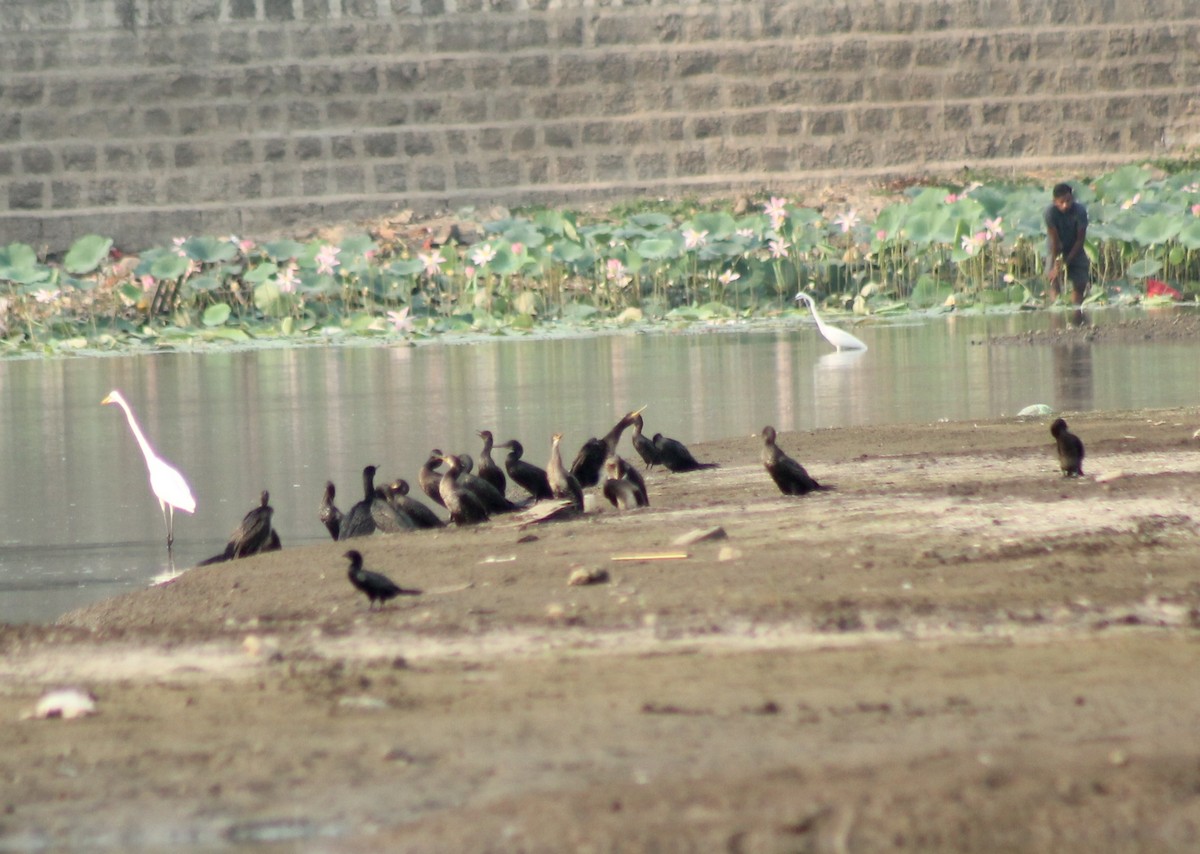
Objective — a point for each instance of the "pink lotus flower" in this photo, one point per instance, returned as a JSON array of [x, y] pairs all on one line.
[[992, 227], [400, 320], [432, 261], [846, 221], [693, 239], [483, 255], [779, 248], [327, 260], [286, 280], [776, 210], [44, 296], [1196, 210], [178, 244], [727, 277]]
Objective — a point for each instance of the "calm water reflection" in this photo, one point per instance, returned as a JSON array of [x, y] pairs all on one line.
[[77, 520]]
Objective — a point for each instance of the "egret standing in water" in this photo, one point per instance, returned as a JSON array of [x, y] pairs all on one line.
[[839, 338], [166, 482]]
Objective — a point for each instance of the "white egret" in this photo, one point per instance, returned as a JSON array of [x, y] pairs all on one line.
[[839, 338], [166, 482]]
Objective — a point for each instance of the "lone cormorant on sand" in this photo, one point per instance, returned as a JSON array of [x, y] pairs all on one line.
[[789, 475], [1070, 449], [563, 484], [329, 514], [590, 459], [377, 587], [525, 474], [675, 456]]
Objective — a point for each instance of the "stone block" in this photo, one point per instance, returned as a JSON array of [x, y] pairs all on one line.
[[65, 195], [690, 163], [343, 147], [314, 182], [649, 167], [431, 177], [78, 158], [610, 167], [37, 161], [466, 175], [279, 10], [102, 192], [380, 145], [306, 148], [416, 144], [187, 155], [390, 177], [503, 172], [570, 170], [537, 170]]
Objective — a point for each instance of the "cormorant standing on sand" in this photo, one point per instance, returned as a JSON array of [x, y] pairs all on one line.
[[464, 506], [562, 483], [378, 587], [789, 475], [526, 475], [624, 493], [429, 479], [675, 456], [252, 536], [643, 445], [590, 459], [329, 515], [422, 516], [359, 521], [1070, 449], [488, 470]]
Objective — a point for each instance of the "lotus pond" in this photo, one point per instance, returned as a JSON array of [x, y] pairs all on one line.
[[977, 245]]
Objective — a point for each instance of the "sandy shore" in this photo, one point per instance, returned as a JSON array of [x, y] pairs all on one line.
[[956, 649]]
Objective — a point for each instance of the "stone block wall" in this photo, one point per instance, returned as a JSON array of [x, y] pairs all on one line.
[[144, 119]]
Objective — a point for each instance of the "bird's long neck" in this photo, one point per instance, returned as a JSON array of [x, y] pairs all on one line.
[[143, 442], [368, 484]]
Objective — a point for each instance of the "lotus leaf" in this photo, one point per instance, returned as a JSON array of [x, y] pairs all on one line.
[[86, 253], [216, 314], [208, 250]]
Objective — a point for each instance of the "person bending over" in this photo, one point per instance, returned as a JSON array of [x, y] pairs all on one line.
[[1066, 229]]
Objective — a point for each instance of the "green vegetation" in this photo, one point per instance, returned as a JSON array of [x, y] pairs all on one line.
[[980, 244]]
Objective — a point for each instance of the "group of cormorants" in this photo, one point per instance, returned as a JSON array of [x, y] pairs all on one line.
[[471, 498]]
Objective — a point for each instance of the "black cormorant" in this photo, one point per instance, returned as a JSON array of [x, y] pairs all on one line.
[[377, 587], [675, 456], [421, 515], [329, 514], [590, 459], [789, 475], [464, 506], [526, 475], [359, 521], [488, 470], [1070, 449]]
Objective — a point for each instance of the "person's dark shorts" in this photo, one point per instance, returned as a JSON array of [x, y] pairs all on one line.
[[1079, 272]]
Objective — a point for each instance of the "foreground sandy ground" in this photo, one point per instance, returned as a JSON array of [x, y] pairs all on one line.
[[954, 650]]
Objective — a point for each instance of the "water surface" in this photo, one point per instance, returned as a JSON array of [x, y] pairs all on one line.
[[78, 521]]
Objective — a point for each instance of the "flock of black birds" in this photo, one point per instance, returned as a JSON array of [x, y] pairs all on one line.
[[471, 498]]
